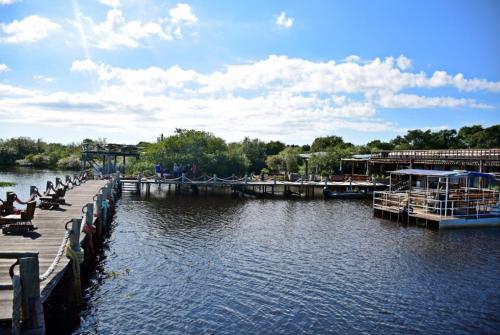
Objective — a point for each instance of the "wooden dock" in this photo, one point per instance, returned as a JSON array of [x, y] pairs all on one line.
[[246, 185], [47, 240]]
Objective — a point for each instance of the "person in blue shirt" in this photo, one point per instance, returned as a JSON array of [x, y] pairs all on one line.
[[158, 170]]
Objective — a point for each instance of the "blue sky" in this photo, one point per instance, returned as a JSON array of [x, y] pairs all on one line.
[[130, 70]]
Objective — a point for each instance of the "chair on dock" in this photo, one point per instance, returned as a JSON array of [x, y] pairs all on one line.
[[19, 223], [52, 198], [7, 206]]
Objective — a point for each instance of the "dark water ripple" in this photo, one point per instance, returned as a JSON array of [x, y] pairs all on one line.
[[226, 266]]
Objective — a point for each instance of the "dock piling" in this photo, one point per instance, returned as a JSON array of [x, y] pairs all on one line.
[[32, 308]]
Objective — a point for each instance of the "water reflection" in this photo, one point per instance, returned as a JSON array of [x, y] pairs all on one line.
[[226, 265]]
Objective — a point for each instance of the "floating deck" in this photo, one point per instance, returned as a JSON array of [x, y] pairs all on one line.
[[442, 199], [46, 240]]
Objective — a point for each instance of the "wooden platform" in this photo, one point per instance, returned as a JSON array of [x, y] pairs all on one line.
[[46, 241]]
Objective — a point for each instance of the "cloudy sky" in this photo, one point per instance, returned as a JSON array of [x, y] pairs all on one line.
[[128, 70]]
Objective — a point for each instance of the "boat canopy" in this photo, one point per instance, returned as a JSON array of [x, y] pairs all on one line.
[[441, 173]]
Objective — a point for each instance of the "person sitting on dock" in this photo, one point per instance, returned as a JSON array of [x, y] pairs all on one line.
[[166, 173], [7, 206]]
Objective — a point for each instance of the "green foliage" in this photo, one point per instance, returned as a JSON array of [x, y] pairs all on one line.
[[69, 163], [287, 160], [211, 154], [274, 147], [275, 163], [378, 145], [36, 152], [255, 151], [324, 143], [328, 162], [6, 184], [467, 137]]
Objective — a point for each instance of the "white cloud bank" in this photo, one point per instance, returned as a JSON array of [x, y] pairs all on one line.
[[30, 29], [283, 21], [118, 32], [4, 68], [277, 97]]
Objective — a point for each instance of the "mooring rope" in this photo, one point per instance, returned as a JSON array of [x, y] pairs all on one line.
[[77, 258], [90, 230], [16, 304], [56, 260]]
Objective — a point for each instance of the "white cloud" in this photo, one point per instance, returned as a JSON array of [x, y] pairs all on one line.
[[286, 98], [7, 2], [403, 62], [30, 29], [182, 14], [111, 3], [118, 32], [283, 21], [4, 68], [85, 65], [43, 79], [352, 59], [415, 101]]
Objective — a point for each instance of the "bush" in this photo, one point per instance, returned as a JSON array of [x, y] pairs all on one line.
[[69, 163]]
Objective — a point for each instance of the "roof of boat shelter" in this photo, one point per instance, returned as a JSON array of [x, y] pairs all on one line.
[[440, 173]]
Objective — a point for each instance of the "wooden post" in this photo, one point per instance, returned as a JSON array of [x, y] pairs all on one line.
[[138, 185], [32, 308], [74, 240], [89, 214], [74, 237], [446, 197], [98, 210], [32, 190]]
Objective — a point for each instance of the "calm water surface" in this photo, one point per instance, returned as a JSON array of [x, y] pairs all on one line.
[[220, 265]]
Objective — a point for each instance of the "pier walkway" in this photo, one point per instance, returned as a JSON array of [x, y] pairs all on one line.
[[45, 241], [246, 184]]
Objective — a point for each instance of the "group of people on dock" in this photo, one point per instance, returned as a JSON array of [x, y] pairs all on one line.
[[177, 171]]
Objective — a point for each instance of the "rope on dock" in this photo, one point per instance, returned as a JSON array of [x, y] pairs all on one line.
[[77, 258], [56, 260]]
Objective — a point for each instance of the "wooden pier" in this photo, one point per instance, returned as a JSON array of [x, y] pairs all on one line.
[[249, 186], [86, 212]]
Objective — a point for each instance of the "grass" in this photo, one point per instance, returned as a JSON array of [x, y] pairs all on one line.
[[6, 183]]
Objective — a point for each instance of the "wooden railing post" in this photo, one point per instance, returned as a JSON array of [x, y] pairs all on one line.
[[89, 214], [138, 185], [32, 308], [74, 240], [98, 210]]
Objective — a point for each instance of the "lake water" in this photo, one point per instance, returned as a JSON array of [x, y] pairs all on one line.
[[222, 265]]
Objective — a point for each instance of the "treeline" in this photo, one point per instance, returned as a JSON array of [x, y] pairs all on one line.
[[211, 154], [37, 153]]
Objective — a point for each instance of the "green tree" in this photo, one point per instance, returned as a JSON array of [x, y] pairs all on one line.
[[255, 150], [209, 153], [274, 147], [323, 143]]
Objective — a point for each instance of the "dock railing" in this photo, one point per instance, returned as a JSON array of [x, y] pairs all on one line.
[[473, 203]]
